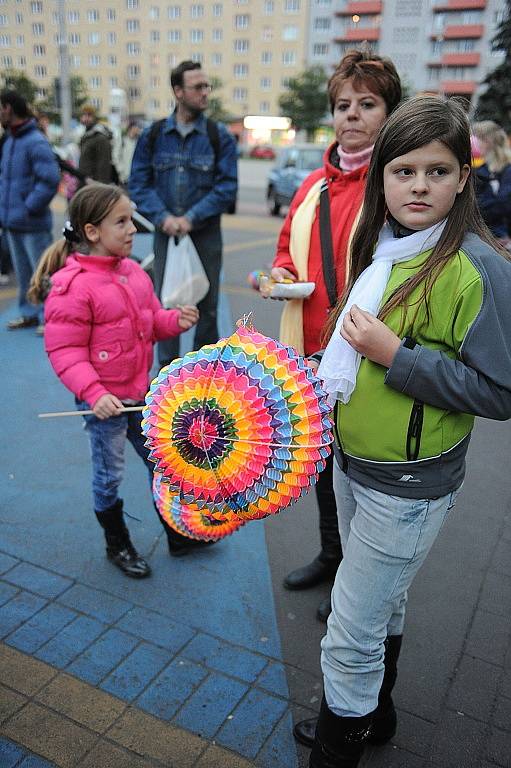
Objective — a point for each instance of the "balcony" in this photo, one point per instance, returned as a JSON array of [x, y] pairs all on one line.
[[461, 59], [361, 8], [458, 87], [358, 35], [460, 5], [459, 32]]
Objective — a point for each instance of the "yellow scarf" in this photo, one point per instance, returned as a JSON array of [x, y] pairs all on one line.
[[291, 322]]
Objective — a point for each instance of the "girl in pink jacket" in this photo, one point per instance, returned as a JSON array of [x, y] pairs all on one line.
[[102, 319]]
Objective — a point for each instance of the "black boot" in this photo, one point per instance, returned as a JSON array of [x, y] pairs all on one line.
[[339, 741], [178, 544], [384, 724], [324, 609], [119, 549]]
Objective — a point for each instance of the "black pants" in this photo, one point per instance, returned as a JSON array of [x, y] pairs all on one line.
[[208, 242], [328, 523]]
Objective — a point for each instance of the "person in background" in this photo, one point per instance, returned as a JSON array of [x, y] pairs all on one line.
[[363, 91], [183, 177], [493, 178], [126, 151], [95, 148], [29, 179]]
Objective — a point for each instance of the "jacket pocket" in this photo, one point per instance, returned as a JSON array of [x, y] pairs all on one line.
[[414, 433], [112, 363], [202, 170]]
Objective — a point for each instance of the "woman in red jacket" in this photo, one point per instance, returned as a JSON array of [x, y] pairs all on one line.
[[363, 91]]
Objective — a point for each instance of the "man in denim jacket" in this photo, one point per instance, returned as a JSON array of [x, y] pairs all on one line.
[[177, 182]]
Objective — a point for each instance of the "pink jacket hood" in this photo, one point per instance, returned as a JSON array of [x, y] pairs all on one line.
[[102, 319]]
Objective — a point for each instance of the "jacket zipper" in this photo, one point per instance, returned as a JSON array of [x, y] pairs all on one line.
[[413, 437]]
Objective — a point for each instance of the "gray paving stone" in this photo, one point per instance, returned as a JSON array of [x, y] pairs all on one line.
[[502, 715], [501, 562], [496, 594], [489, 637], [499, 748], [475, 688], [391, 757], [458, 742], [413, 733], [505, 688]]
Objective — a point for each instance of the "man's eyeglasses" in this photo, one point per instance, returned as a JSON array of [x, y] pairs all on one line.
[[199, 87]]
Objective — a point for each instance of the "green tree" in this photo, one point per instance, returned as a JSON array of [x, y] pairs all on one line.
[[79, 97], [216, 110], [19, 81], [495, 102], [305, 100]]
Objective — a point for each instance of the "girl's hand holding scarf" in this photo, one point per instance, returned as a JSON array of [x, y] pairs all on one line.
[[369, 336]]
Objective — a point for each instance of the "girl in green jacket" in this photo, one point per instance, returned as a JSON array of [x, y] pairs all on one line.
[[418, 347]]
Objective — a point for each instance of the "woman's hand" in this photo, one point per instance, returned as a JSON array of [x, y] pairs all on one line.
[[369, 336], [280, 274], [188, 317], [107, 406]]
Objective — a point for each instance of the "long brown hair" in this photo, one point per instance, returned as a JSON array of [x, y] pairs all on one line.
[[90, 205], [412, 125]]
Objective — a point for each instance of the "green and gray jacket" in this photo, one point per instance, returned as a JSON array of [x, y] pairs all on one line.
[[453, 364]]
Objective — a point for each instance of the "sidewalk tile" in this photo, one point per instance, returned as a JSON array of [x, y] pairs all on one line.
[[172, 686], [392, 757], [49, 735], [33, 761], [40, 628], [38, 580], [414, 733], [252, 722], [502, 715], [24, 674], [458, 741], [499, 748], [280, 749], [155, 628], [70, 642], [209, 706], [17, 610], [152, 738], [475, 688], [496, 594], [226, 658], [10, 754], [274, 680], [489, 637], [506, 684], [10, 702], [216, 757], [7, 562], [108, 756], [7, 591], [135, 672], [502, 557], [80, 702], [94, 603], [103, 656]]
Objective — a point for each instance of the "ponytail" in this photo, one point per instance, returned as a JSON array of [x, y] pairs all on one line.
[[53, 259]]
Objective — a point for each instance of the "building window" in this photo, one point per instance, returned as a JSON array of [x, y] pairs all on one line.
[[96, 102], [92, 16], [320, 49], [74, 38], [154, 60], [94, 60], [196, 11], [288, 58], [174, 11], [20, 41], [7, 61], [111, 60], [36, 7], [133, 94], [154, 13], [154, 104], [241, 21], [4, 21], [113, 81], [154, 36], [291, 6], [171, 59], [290, 33], [94, 38], [241, 46], [133, 71], [95, 83], [269, 7], [18, 18], [22, 61], [264, 106], [174, 35], [266, 57], [216, 59], [40, 70], [5, 41], [37, 29], [196, 36], [73, 17], [198, 58], [39, 50], [240, 71], [133, 49], [217, 10], [132, 25], [265, 83], [217, 35], [322, 24], [111, 38], [267, 34], [240, 94], [132, 5], [471, 17], [155, 81], [110, 14]]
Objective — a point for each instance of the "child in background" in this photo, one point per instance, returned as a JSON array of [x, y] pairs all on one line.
[[102, 319], [419, 346]]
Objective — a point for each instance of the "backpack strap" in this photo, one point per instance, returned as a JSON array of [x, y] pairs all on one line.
[[327, 248], [211, 128]]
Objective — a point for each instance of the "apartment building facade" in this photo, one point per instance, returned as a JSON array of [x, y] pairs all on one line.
[[438, 46]]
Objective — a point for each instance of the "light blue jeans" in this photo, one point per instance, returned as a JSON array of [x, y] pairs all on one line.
[[385, 540], [26, 249]]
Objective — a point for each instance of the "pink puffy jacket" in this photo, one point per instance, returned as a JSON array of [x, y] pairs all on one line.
[[102, 318]]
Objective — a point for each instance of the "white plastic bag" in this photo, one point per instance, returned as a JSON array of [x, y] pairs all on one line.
[[184, 279]]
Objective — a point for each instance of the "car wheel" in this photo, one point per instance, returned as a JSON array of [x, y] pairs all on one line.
[[273, 205]]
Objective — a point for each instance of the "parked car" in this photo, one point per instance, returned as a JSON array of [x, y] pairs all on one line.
[[293, 165], [262, 152]]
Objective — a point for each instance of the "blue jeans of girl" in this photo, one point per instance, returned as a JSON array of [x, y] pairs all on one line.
[[107, 438], [385, 540]]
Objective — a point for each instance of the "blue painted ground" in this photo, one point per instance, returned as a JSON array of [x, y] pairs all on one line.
[[196, 645]]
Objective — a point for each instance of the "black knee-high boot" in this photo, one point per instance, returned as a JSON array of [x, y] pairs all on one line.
[[339, 741], [384, 723], [119, 549], [178, 544]]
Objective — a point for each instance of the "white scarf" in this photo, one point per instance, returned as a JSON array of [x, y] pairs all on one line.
[[340, 363]]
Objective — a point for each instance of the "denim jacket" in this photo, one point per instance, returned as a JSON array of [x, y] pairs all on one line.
[[181, 178]]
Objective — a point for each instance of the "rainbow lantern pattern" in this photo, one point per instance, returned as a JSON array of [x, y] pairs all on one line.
[[240, 426]]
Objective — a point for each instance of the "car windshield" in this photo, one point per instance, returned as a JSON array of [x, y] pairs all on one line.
[[309, 159]]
